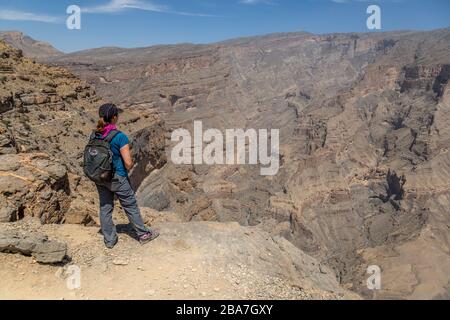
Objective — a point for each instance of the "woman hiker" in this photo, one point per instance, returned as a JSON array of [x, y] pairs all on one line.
[[120, 184]]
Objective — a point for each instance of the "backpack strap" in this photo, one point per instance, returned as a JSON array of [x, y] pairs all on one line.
[[112, 134]]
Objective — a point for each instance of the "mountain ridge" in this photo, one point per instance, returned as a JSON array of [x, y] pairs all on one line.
[[18, 34]]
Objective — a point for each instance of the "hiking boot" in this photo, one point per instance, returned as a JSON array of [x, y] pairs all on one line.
[[148, 237], [112, 245]]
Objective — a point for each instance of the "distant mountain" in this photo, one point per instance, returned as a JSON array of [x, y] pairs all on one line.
[[30, 47]]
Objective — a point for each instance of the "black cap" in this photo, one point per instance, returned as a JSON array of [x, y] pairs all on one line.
[[108, 111]]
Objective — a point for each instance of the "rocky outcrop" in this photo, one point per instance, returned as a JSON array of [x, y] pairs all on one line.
[[36, 245], [46, 117], [228, 244], [39, 145], [33, 185], [426, 78]]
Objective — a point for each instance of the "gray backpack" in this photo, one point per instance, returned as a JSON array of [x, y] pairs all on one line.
[[98, 158]]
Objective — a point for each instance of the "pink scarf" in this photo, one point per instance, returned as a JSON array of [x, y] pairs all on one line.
[[108, 128]]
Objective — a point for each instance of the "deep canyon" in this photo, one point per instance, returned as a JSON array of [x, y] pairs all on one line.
[[364, 144]]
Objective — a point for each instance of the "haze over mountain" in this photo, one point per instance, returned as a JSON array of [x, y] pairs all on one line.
[[364, 130]]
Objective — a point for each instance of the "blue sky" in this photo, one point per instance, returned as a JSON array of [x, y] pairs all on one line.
[[137, 23]]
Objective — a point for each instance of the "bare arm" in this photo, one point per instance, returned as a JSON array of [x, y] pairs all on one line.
[[126, 156]]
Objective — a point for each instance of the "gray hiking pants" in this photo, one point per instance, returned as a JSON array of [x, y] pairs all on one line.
[[121, 187]]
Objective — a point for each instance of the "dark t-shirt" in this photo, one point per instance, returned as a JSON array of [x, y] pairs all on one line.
[[119, 141]]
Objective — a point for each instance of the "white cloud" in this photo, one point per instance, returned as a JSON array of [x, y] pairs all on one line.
[[16, 15], [257, 1], [114, 6], [121, 5]]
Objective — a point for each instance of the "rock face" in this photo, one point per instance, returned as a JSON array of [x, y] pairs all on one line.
[[229, 244], [149, 153], [364, 140], [33, 185], [36, 245], [46, 117]]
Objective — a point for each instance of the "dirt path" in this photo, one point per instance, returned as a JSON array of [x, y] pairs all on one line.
[[129, 271]]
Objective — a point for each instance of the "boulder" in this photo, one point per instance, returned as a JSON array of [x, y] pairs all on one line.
[[80, 212], [8, 213], [156, 200], [36, 245]]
